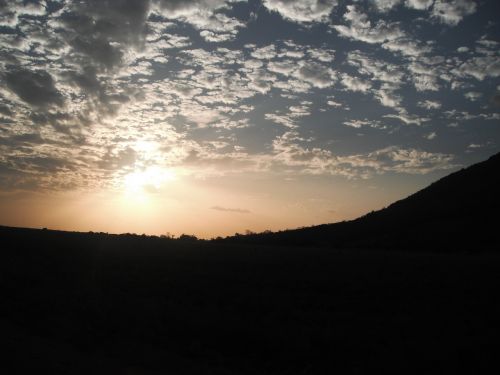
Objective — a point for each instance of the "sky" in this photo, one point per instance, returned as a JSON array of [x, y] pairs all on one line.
[[211, 117]]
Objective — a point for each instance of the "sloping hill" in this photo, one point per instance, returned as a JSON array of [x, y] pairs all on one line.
[[458, 212]]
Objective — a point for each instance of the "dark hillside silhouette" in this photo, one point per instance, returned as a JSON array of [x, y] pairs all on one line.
[[458, 212], [93, 303]]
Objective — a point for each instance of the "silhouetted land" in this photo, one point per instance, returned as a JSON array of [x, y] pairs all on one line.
[[93, 303], [460, 212]]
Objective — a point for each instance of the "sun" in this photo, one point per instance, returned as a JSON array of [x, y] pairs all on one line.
[[149, 180]]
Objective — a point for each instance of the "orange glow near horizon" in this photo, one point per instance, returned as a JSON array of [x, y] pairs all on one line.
[[160, 201]]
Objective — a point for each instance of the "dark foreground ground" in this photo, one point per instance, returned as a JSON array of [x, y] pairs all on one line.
[[97, 304]]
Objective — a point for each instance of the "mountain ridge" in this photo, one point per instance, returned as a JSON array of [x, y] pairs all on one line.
[[454, 212]]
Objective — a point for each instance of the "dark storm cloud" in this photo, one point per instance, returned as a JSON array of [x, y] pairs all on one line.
[[35, 87]]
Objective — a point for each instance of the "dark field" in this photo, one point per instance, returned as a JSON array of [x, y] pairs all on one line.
[[89, 303]]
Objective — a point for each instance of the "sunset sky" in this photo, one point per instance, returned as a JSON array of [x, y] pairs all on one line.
[[212, 117]]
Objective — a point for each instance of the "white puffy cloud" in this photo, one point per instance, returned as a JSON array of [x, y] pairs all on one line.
[[354, 83], [264, 53], [479, 67], [356, 123], [94, 84], [333, 103], [473, 95], [388, 34], [419, 4], [390, 159], [429, 104], [290, 118], [452, 12], [204, 15], [187, 8], [302, 10], [376, 69], [210, 36], [10, 11], [386, 96], [386, 5], [283, 67], [323, 55], [316, 74], [360, 28], [424, 77], [400, 160]]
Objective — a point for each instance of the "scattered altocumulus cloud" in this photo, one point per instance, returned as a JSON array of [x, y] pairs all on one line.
[[93, 91], [302, 10]]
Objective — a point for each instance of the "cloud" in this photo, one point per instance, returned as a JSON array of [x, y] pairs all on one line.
[[264, 53], [283, 67], [316, 74], [233, 210], [479, 67], [430, 136], [386, 5], [116, 159], [429, 104], [376, 69], [452, 12], [424, 76], [35, 87], [323, 55], [13, 9], [419, 4], [290, 118], [386, 96], [302, 10], [415, 161], [363, 123], [291, 152], [388, 34], [473, 95], [333, 103], [400, 160], [360, 28], [100, 51], [354, 83], [474, 146], [408, 119], [85, 84], [102, 30], [205, 15], [184, 8]]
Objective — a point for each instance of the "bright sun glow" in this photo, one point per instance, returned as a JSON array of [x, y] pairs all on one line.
[[150, 180]]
